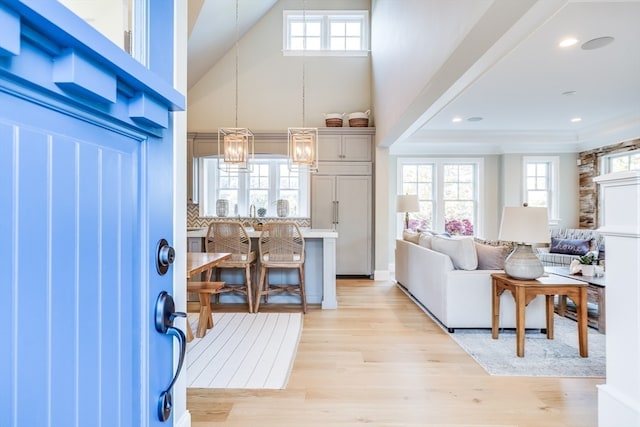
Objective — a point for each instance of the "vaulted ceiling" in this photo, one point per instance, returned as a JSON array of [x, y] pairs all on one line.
[[523, 87]]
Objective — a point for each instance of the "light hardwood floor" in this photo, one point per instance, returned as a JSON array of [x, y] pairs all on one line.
[[379, 360]]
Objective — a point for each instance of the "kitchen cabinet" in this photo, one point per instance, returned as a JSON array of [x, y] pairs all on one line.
[[347, 145], [342, 201]]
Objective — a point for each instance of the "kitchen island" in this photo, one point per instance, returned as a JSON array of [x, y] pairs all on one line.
[[319, 267]]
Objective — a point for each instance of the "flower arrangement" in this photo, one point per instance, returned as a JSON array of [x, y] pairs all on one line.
[[459, 227]]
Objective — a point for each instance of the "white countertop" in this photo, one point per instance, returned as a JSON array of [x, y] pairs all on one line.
[[307, 233]]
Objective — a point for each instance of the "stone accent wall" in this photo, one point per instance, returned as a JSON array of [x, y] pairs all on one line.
[[589, 168]]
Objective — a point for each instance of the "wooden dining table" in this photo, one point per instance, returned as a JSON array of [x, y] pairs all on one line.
[[200, 262]]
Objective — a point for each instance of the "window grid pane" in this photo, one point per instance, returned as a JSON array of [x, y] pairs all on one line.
[[538, 184], [622, 163], [326, 31], [289, 188], [459, 198], [259, 186], [268, 181], [345, 35], [418, 179]]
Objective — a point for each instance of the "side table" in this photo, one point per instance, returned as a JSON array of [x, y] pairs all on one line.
[[595, 295], [524, 291]]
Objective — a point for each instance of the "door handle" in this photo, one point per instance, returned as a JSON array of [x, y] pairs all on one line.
[[337, 211], [334, 213], [165, 315]]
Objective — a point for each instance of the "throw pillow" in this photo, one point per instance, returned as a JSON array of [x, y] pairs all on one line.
[[410, 236], [491, 257], [507, 243], [569, 246], [424, 230], [461, 250], [425, 240]]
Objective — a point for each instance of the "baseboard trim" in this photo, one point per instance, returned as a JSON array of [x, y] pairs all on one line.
[[382, 275], [616, 409], [185, 419]]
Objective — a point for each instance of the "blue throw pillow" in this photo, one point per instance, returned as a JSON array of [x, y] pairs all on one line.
[[569, 246]]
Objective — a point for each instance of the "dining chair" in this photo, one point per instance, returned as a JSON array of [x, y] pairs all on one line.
[[232, 237], [281, 246]]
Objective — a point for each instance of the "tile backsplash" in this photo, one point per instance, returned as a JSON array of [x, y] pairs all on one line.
[[196, 221]]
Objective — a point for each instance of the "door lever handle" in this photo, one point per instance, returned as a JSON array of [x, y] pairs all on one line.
[[165, 315]]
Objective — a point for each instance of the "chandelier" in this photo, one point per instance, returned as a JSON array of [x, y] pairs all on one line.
[[235, 145], [302, 147]]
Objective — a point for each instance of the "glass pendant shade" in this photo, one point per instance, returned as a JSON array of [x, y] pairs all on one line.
[[235, 148], [303, 148]]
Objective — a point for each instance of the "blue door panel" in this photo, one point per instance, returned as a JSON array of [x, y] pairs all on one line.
[[73, 285], [32, 265], [63, 301], [85, 194]]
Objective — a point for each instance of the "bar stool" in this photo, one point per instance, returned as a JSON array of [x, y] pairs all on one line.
[[232, 237], [281, 246]]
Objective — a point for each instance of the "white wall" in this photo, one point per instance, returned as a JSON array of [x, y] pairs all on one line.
[[511, 181], [270, 84]]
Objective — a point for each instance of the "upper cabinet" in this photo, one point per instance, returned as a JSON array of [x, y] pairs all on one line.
[[345, 144]]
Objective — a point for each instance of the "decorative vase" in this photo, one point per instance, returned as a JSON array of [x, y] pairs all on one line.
[[587, 269], [222, 207], [283, 207]]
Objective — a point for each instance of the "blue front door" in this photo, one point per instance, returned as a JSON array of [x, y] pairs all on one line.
[[85, 195]]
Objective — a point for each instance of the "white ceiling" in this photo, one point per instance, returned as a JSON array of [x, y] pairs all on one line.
[[516, 87], [519, 93]]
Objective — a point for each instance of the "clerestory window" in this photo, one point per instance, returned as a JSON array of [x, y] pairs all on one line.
[[331, 33]]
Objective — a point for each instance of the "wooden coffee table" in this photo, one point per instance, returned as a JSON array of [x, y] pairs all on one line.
[[524, 291], [595, 295]]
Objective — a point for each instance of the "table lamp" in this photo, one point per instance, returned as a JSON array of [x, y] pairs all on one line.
[[525, 226], [407, 203]]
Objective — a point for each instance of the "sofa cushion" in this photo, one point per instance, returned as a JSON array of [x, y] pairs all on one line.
[[491, 257], [461, 250], [410, 236], [569, 246], [425, 240]]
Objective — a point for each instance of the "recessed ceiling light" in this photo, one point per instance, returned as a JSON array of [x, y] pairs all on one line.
[[456, 119], [569, 41], [576, 119], [597, 43], [474, 119], [569, 92]]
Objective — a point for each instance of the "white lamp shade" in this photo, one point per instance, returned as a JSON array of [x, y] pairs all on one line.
[[525, 225], [407, 203]]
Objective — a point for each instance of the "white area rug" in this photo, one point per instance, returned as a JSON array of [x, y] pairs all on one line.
[[244, 350], [558, 357], [542, 357]]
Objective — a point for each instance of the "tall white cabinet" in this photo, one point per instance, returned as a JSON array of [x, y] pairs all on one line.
[[342, 196]]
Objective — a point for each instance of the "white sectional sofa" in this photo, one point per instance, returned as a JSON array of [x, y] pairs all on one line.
[[457, 298]]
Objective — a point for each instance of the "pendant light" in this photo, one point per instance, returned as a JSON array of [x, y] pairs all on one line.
[[302, 145], [235, 145]]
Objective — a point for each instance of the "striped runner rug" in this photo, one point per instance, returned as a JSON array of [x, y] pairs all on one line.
[[244, 350]]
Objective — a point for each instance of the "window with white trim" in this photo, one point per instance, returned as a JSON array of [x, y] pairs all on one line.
[[331, 33], [540, 183], [622, 162], [268, 181], [448, 192]]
